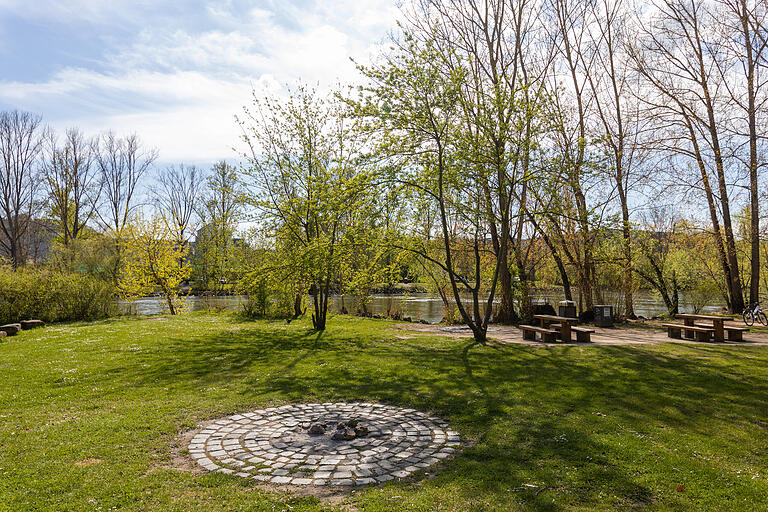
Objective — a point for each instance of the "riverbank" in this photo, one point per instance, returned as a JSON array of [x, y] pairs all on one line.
[[416, 306]]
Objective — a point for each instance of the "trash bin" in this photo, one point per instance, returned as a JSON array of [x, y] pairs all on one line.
[[604, 316], [567, 308]]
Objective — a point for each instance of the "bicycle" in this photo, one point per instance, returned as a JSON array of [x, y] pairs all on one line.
[[754, 312]]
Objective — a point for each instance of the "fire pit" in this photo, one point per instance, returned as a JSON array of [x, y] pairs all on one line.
[[324, 444]]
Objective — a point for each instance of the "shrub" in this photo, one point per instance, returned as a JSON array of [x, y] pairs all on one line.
[[53, 296], [257, 300], [266, 298], [704, 292], [451, 314]]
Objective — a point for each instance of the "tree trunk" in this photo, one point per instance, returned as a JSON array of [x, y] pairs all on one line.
[[754, 227], [169, 300], [724, 262], [737, 297], [675, 295], [629, 309], [506, 313], [297, 312], [321, 308]]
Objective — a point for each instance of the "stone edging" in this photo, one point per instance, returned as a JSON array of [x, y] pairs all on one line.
[[272, 445]]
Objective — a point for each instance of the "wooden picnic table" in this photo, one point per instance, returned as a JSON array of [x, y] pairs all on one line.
[[717, 323], [565, 324]]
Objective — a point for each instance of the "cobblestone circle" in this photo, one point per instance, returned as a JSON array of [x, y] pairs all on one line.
[[272, 445]]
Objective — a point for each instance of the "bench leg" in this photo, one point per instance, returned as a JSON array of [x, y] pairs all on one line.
[[735, 336], [548, 337], [690, 334], [702, 336], [583, 337], [673, 332], [529, 335]]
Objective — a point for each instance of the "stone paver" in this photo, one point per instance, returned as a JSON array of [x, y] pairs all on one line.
[[272, 445]]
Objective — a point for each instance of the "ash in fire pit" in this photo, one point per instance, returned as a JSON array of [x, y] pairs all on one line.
[[345, 431]]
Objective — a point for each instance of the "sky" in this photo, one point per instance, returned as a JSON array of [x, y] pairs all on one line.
[[176, 72]]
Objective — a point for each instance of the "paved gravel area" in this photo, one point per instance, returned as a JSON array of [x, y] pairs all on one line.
[[273, 445], [506, 334]]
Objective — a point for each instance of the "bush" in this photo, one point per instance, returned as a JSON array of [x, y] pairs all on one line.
[[451, 314], [704, 292], [265, 298], [53, 296], [257, 300]]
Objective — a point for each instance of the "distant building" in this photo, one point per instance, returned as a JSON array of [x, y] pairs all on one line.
[[36, 243]]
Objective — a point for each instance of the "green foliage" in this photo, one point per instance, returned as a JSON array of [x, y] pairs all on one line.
[[153, 260], [703, 292], [93, 254], [266, 297], [53, 296], [313, 186], [437, 153]]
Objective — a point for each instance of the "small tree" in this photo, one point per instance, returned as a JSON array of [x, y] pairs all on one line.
[[219, 210], [314, 190], [151, 259]]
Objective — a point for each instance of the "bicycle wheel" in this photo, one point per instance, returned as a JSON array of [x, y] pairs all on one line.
[[762, 318], [749, 318]]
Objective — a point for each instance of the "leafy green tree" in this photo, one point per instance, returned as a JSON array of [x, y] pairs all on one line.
[[313, 188], [490, 43], [415, 106]]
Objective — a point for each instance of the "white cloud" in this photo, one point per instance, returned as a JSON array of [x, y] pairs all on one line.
[[179, 88]]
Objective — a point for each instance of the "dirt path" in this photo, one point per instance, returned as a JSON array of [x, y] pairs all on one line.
[[506, 334]]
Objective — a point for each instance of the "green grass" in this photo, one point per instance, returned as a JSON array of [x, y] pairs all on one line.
[[562, 428]]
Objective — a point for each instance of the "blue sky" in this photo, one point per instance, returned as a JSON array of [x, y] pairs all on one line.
[[176, 72]]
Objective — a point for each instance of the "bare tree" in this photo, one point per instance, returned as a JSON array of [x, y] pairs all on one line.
[[742, 71], [72, 183], [177, 196], [571, 165], [122, 163], [677, 57], [20, 147], [617, 116]]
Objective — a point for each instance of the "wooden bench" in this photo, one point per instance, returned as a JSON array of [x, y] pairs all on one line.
[[529, 333], [583, 334], [734, 333], [701, 333]]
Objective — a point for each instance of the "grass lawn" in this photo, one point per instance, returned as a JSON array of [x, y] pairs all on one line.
[[89, 414]]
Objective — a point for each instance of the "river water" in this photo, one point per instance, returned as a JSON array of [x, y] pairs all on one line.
[[418, 306]]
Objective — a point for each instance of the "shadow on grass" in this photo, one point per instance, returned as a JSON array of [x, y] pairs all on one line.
[[541, 416]]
